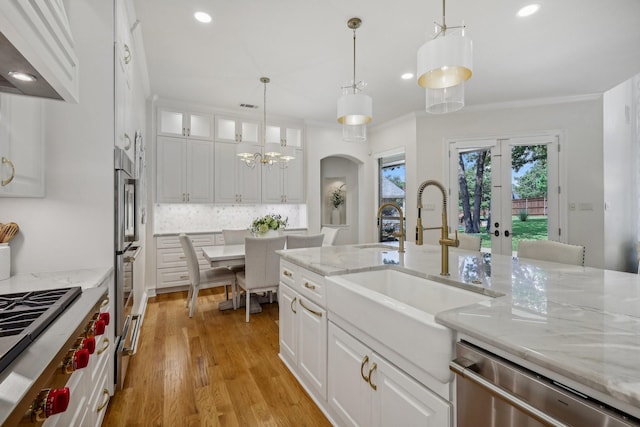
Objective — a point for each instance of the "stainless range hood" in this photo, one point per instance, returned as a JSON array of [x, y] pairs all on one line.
[[36, 39]]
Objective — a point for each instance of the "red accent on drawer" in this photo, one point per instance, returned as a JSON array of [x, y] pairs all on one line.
[[57, 401]]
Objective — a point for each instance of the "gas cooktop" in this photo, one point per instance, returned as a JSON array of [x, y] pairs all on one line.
[[24, 315]]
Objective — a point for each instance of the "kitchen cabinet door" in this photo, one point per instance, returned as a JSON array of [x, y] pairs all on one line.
[[288, 308], [173, 122], [284, 185], [199, 172], [21, 146], [171, 185], [234, 129], [234, 182], [348, 393], [312, 344]]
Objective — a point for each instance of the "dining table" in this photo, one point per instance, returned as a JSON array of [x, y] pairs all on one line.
[[229, 256]]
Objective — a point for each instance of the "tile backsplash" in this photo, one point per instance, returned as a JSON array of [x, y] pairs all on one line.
[[195, 218]]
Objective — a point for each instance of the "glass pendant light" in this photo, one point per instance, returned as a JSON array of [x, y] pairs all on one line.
[[355, 109], [444, 64]]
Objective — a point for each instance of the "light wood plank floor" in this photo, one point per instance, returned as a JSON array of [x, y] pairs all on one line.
[[211, 370]]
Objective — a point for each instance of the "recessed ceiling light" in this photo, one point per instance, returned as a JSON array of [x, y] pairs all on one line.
[[203, 17], [407, 76], [528, 10], [24, 77]]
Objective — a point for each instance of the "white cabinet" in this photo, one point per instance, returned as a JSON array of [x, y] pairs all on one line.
[[184, 170], [231, 129], [303, 327], [123, 82], [235, 182], [172, 122], [284, 185], [289, 135], [367, 390], [171, 263], [21, 146]]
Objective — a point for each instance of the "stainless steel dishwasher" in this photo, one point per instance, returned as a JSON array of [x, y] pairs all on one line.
[[494, 392]]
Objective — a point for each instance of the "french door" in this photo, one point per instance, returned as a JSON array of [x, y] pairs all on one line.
[[496, 182]]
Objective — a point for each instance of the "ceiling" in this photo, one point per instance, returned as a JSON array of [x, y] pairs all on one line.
[[570, 47]]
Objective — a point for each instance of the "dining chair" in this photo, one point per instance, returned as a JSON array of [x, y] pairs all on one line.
[[262, 267], [208, 278], [301, 241], [330, 234], [548, 250], [469, 242], [235, 237]]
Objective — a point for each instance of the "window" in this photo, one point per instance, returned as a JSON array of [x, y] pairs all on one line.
[[391, 187]]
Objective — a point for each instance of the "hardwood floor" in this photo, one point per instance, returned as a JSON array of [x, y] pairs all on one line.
[[210, 370]]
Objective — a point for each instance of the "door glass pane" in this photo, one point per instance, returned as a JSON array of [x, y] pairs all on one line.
[[294, 137], [474, 194], [171, 122], [529, 199], [392, 183], [250, 132], [273, 134]]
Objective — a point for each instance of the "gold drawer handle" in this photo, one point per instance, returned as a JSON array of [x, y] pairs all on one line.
[[104, 405], [104, 348], [293, 301], [184, 277], [127, 54], [309, 286], [317, 313], [287, 273], [6, 181], [105, 302], [365, 360], [373, 368], [128, 145]]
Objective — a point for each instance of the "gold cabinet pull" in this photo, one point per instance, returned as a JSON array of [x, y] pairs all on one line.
[[309, 286], [293, 301], [128, 144], [365, 360], [105, 346], [127, 54], [287, 273], [6, 181], [317, 313], [105, 392], [373, 368], [105, 302]]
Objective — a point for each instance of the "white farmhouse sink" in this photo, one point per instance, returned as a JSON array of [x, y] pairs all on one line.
[[397, 310]]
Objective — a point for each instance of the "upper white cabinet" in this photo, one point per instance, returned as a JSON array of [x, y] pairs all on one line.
[[189, 125], [289, 135], [21, 146], [230, 129], [235, 182], [39, 32], [125, 132], [184, 171], [284, 185]]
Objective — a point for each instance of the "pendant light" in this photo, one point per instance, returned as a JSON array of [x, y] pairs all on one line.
[[271, 152], [355, 109], [444, 64]]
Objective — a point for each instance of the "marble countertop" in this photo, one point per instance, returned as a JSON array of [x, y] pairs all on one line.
[[568, 322], [17, 380], [211, 232]]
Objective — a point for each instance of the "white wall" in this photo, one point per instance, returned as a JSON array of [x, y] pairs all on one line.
[[72, 226], [322, 141], [620, 171]]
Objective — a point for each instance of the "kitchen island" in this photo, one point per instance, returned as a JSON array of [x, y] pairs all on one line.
[[577, 325]]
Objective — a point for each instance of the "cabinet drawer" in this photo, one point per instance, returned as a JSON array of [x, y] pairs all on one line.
[[198, 240], [174, 257], [168, 277], [312, 286], [288, 273]]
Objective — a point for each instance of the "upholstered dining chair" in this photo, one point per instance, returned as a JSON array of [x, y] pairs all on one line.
[[262, 267], [210, 278], [469, 242], [304, 241], [330, 234], [235, 237], [548, 250]]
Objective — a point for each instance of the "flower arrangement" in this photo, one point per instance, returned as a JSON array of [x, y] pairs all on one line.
[[337, 197], [268, 222]]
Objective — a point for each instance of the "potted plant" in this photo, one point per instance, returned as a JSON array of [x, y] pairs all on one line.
[[337, 198], [268, 224]]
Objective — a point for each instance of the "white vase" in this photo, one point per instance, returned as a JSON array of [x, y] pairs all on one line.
[[5, 261], [269, 233], [335, 216]]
